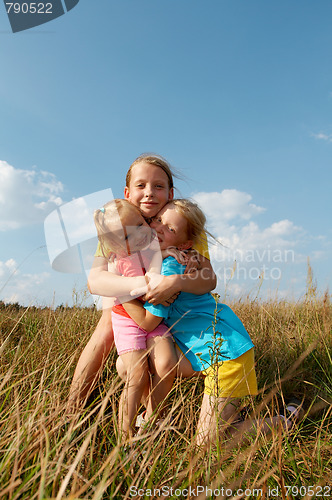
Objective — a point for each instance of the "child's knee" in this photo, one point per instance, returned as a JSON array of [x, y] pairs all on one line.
[[165, 367], [121, 369]]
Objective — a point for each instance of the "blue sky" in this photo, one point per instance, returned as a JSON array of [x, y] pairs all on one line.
[[236, 95]]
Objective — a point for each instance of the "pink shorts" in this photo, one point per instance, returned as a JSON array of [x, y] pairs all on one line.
[[130, 337]]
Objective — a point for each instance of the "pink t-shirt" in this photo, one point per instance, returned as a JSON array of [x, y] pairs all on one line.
[[131, 266]]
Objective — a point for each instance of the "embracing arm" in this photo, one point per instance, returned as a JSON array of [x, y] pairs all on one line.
[[141, 316], [105, 282], [197, 282]]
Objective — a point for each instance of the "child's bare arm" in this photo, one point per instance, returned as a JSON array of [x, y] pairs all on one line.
[[197, 282], [141, 316], [157, 257], [104, 282]]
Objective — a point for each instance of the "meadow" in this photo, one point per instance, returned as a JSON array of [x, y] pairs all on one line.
[[44, 455]]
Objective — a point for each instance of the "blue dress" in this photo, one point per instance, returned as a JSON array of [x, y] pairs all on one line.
[[206, 332]]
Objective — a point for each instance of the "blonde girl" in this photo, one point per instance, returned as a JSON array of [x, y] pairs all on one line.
[[149, 186], [128, 241], [211, 340]]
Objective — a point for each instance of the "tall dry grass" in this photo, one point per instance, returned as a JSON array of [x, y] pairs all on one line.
[[43, 455]]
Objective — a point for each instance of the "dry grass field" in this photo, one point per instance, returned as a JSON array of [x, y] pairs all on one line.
[[43, 455]]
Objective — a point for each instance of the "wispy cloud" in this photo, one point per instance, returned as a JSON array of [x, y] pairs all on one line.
[[227, 205], [321, 136], [229, 215], [7, 267], [250, 252], [25, 288], [26, 196], [17, 286]]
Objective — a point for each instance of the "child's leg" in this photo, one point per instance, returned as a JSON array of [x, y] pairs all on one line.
[[92, 360], [136, 366], [229, 421], [222, 415], [162, 362], [227, 411], [225, 383], [184, 368], [122, 372]]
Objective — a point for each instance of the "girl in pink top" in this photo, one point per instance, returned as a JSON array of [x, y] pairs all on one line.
[[133, 248]]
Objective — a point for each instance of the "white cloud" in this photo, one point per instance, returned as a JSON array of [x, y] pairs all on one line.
[[229, 214], [26, 196], [252, 259], [319, 255], [227, 205], [7, 267], [250, 256], [24, 288], [323, 137]]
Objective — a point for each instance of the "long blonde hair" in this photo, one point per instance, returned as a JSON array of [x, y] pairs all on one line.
[[111, 216], [196, 220]]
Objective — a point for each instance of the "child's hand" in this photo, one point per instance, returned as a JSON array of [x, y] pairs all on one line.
[[154, 280], [193, 262], [180, 255], [165, 292]]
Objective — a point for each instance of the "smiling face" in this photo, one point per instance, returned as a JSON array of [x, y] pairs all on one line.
[[133, 234], [148, 188], [171, 228]]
